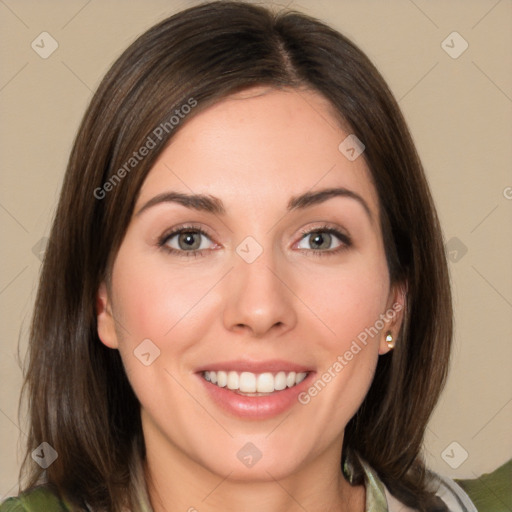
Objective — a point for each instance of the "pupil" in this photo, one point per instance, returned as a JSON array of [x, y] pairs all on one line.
[[323, 241], [188, 240]]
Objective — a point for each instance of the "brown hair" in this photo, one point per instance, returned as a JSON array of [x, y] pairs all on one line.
[[79, 398]]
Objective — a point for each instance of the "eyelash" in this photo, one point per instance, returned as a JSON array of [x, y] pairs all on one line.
[[186, 254], [343, 238]]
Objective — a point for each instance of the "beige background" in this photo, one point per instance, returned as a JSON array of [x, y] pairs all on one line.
[[459, 111]]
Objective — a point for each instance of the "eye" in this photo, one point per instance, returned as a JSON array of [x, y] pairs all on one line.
[[324, 240], [186, 241]]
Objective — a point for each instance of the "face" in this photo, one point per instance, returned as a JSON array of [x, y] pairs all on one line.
[[262, 283]]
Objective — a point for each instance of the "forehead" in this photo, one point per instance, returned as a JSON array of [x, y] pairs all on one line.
[[260, 146]]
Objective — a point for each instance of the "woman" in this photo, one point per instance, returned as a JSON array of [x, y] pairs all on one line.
[[245, 300]]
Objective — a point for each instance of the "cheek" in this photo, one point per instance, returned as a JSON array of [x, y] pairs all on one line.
[[348, 358], [153, 298], [153, 307], [161, 310], [349, 304], [347, 301]]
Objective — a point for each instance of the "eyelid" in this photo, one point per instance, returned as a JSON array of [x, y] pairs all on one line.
[[177, 230], [343, 237], [340, 233], [185, 227]]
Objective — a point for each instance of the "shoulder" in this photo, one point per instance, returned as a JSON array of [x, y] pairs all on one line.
[[452, 495], [36, 500], [379, 498], [491, 492]]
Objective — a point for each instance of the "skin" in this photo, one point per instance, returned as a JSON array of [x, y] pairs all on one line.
[[254, 151]]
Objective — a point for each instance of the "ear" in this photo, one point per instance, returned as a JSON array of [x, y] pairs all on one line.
[[393, 316], [105, 319]]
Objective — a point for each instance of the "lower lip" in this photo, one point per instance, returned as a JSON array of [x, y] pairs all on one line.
[[256, 407]]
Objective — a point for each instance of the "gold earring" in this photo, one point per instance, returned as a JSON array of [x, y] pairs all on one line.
[[389, 340]]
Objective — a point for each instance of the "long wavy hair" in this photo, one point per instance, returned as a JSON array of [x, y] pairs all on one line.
[[77, 394]]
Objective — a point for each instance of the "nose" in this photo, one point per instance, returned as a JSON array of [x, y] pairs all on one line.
[[259, 298]]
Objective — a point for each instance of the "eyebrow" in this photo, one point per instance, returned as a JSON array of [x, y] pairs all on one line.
[[317, 197], [211, 204]]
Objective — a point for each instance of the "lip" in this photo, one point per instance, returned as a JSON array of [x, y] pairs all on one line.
[[271, 365], [255, 407]]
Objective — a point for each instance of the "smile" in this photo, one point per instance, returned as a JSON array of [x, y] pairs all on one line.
[[254, 384]]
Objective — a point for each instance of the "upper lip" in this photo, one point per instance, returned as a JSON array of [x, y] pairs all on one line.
[[270, 365]]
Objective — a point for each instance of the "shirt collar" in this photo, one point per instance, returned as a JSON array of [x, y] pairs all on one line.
[[375, 491]]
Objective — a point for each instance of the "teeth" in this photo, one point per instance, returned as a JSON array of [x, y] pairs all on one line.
[[222, 378], [247, 382], [265, 383], [280, 381], [233, 380], [290, 379]]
